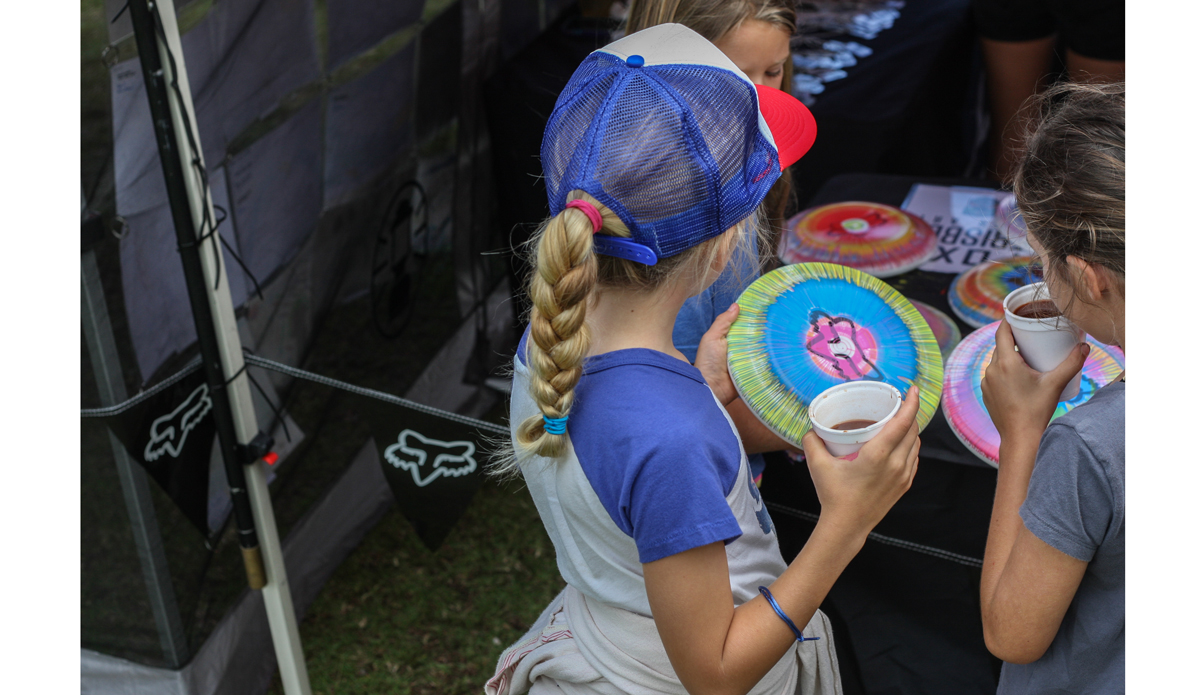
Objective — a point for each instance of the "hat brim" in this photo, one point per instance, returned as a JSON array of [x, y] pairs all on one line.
[[792, 124]]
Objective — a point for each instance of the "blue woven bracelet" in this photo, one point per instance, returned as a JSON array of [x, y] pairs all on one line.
[[555, 425], [779, 611]]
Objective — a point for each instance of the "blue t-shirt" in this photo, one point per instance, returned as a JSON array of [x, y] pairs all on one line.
[[662, 472], [698, 313], [1076, 504]]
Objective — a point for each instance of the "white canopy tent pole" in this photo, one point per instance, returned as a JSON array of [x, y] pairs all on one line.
[[281, 613]]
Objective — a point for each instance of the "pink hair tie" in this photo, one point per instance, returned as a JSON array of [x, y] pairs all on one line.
[[589, 210]]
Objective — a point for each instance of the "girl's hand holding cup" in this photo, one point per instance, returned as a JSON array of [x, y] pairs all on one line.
[[1020, 399], [1043, 335], [856, 492]]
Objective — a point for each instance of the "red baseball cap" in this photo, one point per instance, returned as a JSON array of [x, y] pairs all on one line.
[[792, 124]]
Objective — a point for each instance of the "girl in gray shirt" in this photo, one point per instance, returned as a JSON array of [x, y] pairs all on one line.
[[1053, 583]]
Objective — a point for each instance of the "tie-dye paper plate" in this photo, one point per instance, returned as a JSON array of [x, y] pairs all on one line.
[[807, 327], [945, 330], [977, 295], [877, 239], [962, 393]]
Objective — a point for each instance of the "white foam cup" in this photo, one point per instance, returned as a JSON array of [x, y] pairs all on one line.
[[1043, 343], [853, 400]]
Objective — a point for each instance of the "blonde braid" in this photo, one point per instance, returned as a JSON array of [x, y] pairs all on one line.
[[566, 273], [562, 282]]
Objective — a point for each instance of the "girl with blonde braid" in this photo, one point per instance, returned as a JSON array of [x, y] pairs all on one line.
[[656, 156]]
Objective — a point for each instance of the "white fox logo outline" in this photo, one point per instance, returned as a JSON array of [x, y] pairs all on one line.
[[171, 439], [404, 444]]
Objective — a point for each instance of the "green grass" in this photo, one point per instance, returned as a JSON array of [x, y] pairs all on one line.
[[396, 618]]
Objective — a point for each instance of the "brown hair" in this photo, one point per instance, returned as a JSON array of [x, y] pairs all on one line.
[[1070, 181], [566, 273], [712, 19]]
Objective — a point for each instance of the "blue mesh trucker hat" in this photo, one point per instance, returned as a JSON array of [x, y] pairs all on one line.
[[670, 135]]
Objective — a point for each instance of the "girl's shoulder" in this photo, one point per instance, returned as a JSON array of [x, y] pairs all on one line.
[[1101, 418], [643, 407], [638, 403], [648, 392], [1091, 436]]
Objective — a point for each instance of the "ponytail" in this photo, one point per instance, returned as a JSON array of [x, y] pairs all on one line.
[[565, 276]]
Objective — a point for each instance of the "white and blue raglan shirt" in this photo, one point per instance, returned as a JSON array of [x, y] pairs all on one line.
[[654, 467]]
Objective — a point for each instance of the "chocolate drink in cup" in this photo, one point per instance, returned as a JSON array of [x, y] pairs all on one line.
[[848, 415], [1038, 309], [853, 425], [1043, 335]]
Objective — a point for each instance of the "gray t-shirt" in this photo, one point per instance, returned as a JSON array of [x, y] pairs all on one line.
[[1076, 504]]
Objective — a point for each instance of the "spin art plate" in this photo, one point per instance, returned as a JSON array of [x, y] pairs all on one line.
[[962, 395], [945, 330], [804, 328], [874, 238], [977, 295]]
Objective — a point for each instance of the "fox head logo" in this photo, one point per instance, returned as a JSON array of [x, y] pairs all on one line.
[[169, 432], [411, 452]]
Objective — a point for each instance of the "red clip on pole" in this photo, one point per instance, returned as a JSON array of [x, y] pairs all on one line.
[[270, 458]]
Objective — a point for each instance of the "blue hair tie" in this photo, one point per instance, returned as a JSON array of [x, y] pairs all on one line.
[[555, 425]]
